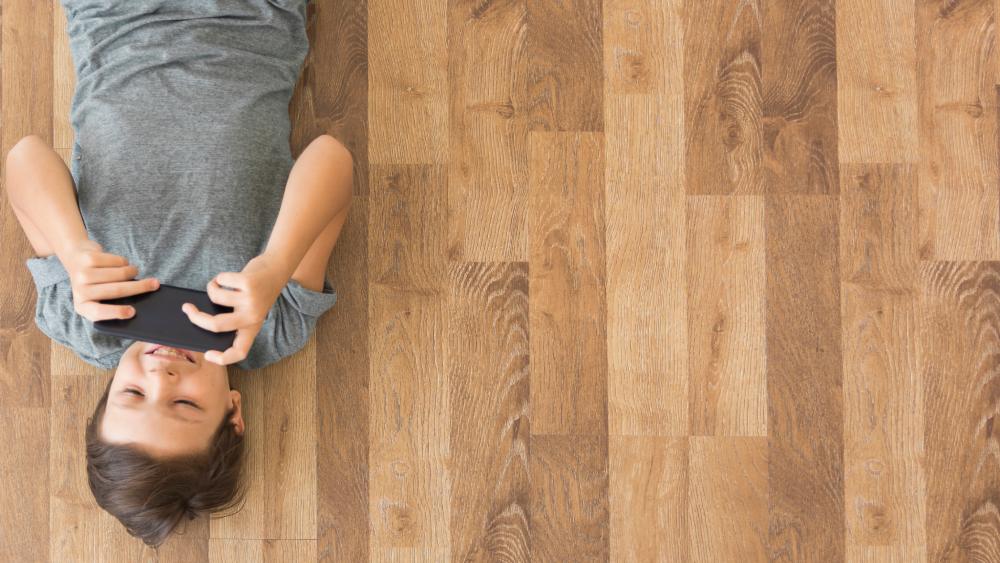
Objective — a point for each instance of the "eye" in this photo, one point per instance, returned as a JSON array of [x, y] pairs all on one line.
[[135, 392], [186, 402]]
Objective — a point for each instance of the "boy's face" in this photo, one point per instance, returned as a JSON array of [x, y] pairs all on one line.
[[165, 405]]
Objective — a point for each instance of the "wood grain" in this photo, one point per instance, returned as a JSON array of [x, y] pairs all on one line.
[[648, 479], [487, 363], [876, 81], [799, 76], [26, 108], [644, 215], [723, 106], [409, 485], [261, 551], [279, 404], [884, 485], [569, 507], [726, 311], [342, 368], [957, 119], [568, 339], [959, 319], [564, 66], [63, 80], [407, 82], [487, 130], [728, 502], [804, 377]]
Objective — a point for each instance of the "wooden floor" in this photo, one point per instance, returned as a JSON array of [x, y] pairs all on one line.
[[631, 280]]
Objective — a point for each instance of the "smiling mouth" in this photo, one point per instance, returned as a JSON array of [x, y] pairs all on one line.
[[187, 355]]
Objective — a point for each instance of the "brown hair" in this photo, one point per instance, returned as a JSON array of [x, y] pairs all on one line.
[[150, 496]]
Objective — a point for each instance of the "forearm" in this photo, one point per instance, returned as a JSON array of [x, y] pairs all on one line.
[[39, 186], [318, 193]]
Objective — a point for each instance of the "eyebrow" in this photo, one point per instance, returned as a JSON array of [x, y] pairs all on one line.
[[173, 415]]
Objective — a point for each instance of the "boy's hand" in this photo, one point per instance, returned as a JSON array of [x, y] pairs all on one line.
[[96, 275], [255, 290]]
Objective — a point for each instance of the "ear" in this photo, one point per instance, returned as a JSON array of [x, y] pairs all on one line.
[[237, 418]]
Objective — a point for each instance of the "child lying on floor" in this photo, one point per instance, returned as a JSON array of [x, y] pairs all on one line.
[[181, 172]]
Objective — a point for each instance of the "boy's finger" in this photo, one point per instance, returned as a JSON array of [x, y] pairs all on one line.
[[224, 322], [221, 296], [111, 274], [101, 311], [235, 353], [107, 260], [231, 279], [114, 290]]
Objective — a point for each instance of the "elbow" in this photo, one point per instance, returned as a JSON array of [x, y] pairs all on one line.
[[341, 161], [24, 148]]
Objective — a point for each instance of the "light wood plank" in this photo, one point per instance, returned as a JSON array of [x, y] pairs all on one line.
[[488, 131], [956, 81], [644, 214], [24, 526], [728, 501], [408, 82], [279, 407], [568, 345], [959, 320], [647, 497], [261, 551], [723, 103], [726, 311], [876, 81], [63, 80]]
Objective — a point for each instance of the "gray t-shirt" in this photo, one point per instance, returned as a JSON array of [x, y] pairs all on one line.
[[181, 153]]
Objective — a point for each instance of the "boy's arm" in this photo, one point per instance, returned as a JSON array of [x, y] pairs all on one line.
[[313, 210], [39, 187]]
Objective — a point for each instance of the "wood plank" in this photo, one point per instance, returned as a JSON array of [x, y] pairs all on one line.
[[804, 377], [342, 366], [407, 218], [409, 482], [644, 214], [726, 311], [24, 531], [876, 81], [408, 82], [279, 407], [331, 95], [261, 551], [487, 363], [568, 346], [488, 131], [25, 108], [569, 504], [799, 76], [957, 96], [565, 75], [959, 320], [647, 495], [727, 503], [723, 103], [63, 80], [883, 405]]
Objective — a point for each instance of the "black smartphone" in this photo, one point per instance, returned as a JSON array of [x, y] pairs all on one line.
[[159, 319]]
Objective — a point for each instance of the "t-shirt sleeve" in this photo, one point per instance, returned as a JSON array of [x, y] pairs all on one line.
[[289, 323], [56, 317]]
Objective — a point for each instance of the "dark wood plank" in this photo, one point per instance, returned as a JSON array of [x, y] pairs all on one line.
[[487, 363], [568, 330], [957, 105], [722, 97], [488, 130], [332, 92], [342, 367], [799, 74], [565, 72], [569, 504], [25, 109], [959, 319], [804, 376]]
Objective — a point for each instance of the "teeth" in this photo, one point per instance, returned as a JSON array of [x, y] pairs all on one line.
[[169, 352]]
